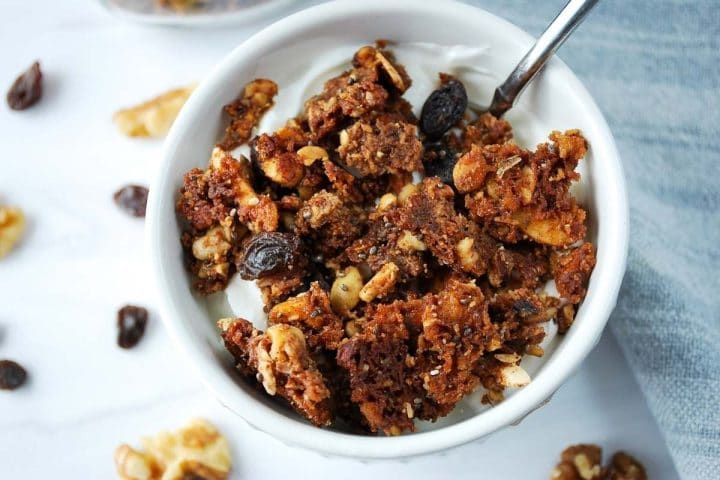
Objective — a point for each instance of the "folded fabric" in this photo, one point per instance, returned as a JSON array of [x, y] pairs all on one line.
[[653, 66]]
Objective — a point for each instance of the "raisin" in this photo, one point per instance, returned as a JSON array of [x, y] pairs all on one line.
[[132, 199], [27, 88], [439, 161], [443, 109], [131, 322], [266, 253], [12, 375]]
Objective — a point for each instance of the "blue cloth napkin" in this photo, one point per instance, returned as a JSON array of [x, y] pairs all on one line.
[[653, 66]]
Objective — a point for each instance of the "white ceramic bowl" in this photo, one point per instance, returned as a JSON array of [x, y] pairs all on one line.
[[283, 51]]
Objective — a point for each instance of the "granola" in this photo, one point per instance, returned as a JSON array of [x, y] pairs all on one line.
[[389, 299]]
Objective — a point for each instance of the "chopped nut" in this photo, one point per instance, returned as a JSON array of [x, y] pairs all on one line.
[[507, 357], [211, 246], [154, 117], [310, 154], [133, 465], [386, 202], [405, 193], [12, 226], [195, 451], [408, 241], [345, 290], [514, 376], [381, 283], [469, 258], [470, 171]]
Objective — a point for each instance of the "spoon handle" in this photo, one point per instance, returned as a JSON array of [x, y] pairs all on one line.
[[554, 35]]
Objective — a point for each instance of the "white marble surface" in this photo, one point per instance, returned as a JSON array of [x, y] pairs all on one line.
[[82, 259]]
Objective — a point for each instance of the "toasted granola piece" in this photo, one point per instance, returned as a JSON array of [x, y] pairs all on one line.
[[572, 270], [456, 331], [565, 318], [384, 145], [198, 450], [209, 255], [209, 196], [579, 462], [350, 95], [311, 313], [246, 111], [325, 218], [378, 364], [279, 287], [383, 62], [280, 360], [470, 171], [625, 467], [523, 306], [530, 191], [154, 117], [453, 240], [278, 155], [486, 130], [385, 243], [524, 266], [356, 92]]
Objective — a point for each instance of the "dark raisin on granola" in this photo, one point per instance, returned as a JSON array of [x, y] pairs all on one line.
[[443, 109], [27, 88], [132, 199], [439, 160], [266, 253], [131, 322], [12, 375]]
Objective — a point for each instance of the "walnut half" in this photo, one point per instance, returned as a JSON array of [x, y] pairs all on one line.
[[154, 117], [12, 226], [197, 450]]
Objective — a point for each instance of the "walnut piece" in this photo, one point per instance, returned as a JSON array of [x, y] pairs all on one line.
[[197, 450], [154, 117], [280, 361], [12, 226], [584, 462]]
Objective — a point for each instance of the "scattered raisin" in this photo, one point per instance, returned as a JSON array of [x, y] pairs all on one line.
[[443, 109], [27, 88], [439, 161], [131, 325], [132, 199], [12, 375], [266, 253]]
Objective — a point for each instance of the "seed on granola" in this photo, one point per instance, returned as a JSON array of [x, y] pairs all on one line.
[[131, 321], [464, 301], [373, 250], [12, 375], [434, 372], [307, 214]]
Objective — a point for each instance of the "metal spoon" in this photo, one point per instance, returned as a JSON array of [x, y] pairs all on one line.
[[554, 35]]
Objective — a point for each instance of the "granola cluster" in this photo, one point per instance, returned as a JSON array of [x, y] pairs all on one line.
[[389, 298]]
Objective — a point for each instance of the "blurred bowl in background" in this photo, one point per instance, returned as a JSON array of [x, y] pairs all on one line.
[[194, 13]]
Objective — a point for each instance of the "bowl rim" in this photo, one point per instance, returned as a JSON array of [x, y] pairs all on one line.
[[606, 280]]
